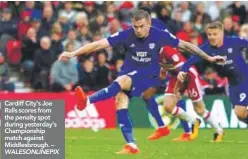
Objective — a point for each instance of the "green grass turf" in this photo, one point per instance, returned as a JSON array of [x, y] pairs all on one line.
[[86, 144]]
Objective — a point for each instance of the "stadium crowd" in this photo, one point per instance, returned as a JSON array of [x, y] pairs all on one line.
[[33, 34]]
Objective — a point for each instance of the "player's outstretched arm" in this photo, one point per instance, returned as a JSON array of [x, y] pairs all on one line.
[[197, 51], [88, 48]]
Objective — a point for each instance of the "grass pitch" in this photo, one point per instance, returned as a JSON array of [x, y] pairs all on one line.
[[86, 144]]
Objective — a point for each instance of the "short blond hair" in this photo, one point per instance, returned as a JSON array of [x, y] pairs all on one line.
[[214, 25]]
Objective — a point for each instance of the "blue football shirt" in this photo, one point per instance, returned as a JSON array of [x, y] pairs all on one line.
[[235, 67], [142, 53]]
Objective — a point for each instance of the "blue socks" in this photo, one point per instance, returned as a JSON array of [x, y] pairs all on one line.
[[152, 107], [182, 104], [125, 124], [105, 93]]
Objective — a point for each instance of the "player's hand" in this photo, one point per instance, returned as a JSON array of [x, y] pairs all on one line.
[[181, 76], [218, 59], [67, 55], [163, 73]]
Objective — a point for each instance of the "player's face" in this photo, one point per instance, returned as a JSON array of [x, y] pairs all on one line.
[[141, 27], [215, 37]]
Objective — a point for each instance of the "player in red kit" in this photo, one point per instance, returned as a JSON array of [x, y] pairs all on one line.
[[191, 87]]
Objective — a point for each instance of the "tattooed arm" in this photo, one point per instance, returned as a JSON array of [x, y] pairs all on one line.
[[197, 51]]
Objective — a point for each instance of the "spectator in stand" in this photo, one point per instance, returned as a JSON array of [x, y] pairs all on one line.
[[188, 32], [64, 75], [24, 24], [5, 84], [87, 76], [36, 24], [117, 70], [217, 11], [43, 60], [57, 29], [125, 12], [8, 29], [99, 24], [146, 4], [3, 5], [84, 35], [81, 20], [102, 70], [29, 46], [164, 15], [115, 26], [17, 8], [238, 10], [200, 14], [29, 5], [111, 12], [177, 22], [90, 10], [228, 27], [65, 24], [198, 23], [56, 47], [47, 20], [47, 4], [236, 24], [70, 48], [184, 9], [71, 38], [195, 38], [68, 12], [34, 8], [163, 11]]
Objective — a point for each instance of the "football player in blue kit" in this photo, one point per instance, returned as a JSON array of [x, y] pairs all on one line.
[[235, 68], [140, 70], [162, 129]]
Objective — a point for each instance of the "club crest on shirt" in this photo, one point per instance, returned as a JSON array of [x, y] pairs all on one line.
[[230, 50], [152, 45]]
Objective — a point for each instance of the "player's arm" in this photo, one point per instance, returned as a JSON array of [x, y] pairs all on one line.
[[169, 39], [186, 46], [186, 66], [113, 40], [88, 48]]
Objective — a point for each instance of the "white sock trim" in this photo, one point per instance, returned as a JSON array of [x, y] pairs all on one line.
[[206, 114], [133, 145]]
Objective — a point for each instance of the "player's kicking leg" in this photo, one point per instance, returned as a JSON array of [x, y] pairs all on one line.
[[121, 83], [125, 124]]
